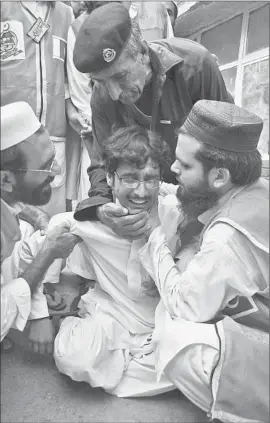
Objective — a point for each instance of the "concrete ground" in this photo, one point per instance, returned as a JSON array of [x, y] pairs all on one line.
[[32, 390]]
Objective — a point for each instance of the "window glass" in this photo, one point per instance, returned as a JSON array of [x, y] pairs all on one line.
[[224, 40], [255, 96], [229, 76], [258, 29]]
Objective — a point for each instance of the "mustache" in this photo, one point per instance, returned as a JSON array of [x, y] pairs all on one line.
[[47, 181]]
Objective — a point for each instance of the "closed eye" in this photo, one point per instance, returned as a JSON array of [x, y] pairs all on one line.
[[120, 75], [185, 166]]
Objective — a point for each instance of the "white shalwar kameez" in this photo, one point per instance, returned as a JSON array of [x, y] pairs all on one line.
[[17, 304], [110, 346]]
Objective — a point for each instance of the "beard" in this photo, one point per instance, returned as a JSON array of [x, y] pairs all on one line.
[[195, 201], [39, 196]]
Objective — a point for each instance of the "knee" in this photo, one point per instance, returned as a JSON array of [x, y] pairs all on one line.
[[72, 344], [82, 352], [190, 371]]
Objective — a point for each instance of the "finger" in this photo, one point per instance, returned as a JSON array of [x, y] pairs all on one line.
[[77, 238], [86, 131], [72, 239], [41, 348], [115, 210], [35, 347], [56, 296], [49, 348], [43, 224], [133, 219], [137, 226]]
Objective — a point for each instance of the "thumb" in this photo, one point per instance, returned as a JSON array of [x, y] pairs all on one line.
[[115, 210]]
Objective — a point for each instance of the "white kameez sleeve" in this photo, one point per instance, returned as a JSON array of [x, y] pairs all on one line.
[[78, 83], [15, 305], [212, 278]]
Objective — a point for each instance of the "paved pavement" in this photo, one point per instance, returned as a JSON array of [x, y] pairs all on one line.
[[32, 390]]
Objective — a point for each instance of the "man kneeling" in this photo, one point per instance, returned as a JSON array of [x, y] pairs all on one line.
[[109, 345]]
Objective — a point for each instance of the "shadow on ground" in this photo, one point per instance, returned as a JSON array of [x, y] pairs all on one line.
[[32, 390]]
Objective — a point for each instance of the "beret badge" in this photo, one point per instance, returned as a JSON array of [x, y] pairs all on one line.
[[109, 54]]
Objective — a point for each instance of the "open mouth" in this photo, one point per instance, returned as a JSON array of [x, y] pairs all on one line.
[[139, 201], [138, 204]]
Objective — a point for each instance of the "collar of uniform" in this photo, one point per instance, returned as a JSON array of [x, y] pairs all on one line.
[[208, 214], [166, 58]]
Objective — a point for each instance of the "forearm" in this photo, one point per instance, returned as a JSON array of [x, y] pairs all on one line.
[[100, 193], [157, 260], [35, 272], [186, 292]]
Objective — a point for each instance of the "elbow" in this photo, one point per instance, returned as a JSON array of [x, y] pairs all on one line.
[[184, 307]]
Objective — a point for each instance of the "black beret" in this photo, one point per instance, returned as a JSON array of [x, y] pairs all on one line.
[[224, 126], [102, 38]]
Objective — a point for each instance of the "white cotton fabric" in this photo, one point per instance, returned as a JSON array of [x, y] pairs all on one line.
[[110, 345], [80, 93], [22, 256], [15, 305], [18, 122]]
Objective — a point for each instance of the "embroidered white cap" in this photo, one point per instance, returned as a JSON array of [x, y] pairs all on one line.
[[18, 122]]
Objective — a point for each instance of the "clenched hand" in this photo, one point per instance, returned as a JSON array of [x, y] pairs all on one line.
[[116, 217]]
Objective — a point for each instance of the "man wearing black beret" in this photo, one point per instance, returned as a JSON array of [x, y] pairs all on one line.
[[153, 85]]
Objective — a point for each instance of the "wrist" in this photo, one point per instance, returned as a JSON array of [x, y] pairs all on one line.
[[48, 252], [99, 213]]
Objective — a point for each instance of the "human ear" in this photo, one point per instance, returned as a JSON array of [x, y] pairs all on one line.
[[109, 178], [8, 180], [219, 177]]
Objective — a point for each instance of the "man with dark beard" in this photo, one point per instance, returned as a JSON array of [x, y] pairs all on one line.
[[28, 167], [154, 85], [211, 336]]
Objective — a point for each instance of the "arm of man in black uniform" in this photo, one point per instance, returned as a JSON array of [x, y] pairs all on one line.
[[202, 78], [100, 194], [206, 82]]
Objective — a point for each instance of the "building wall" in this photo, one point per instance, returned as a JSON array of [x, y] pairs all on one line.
[[238, 34]]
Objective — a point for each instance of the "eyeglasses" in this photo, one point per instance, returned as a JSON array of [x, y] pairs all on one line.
[[134, 183], [38, 170]]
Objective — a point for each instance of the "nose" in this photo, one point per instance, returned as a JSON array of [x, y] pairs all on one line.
[[175, 169], [141, 190], [114, 90], [56, 169]]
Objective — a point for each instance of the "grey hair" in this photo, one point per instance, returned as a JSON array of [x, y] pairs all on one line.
[[135, 42]]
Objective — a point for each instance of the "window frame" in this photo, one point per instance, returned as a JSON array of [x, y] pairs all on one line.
[[243, 59]]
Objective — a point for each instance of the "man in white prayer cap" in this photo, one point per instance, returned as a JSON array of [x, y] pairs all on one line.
[[28, 167]]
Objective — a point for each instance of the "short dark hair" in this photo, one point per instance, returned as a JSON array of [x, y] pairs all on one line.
[[135, 145], [245, 167]]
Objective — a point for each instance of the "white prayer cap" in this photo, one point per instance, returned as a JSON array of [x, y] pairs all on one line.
[[18, 122]]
